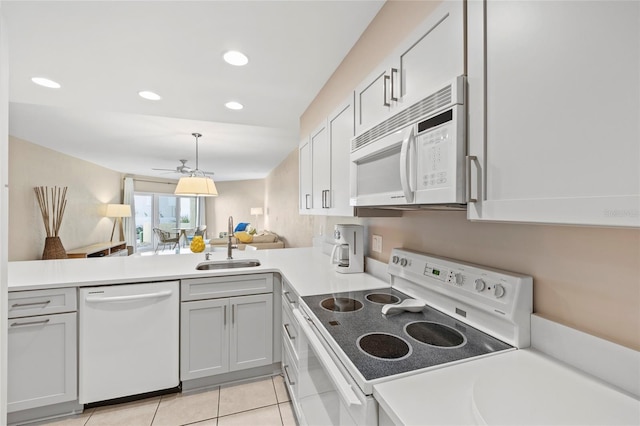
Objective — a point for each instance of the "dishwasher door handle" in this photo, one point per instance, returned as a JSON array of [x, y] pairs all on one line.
[[108, 299]]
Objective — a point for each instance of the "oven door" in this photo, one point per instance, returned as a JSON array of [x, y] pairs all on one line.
[[326, 395], [382, 172]]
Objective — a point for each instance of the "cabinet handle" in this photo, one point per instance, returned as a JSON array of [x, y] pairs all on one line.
[[18, 305], [286, 373], [325, 199], [306, 201], [18, 324], [225, 315], [286, 295], [233, 314], [384, 90], [286, 328], [393, 71], [469, 159]]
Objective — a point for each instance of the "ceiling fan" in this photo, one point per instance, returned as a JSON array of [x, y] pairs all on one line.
[[183, 168]]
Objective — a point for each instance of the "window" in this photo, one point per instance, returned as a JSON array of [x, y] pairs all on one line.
[[167, 212]]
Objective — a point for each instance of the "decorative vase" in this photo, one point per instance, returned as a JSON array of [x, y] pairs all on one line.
[[197, 244], [53, 249]]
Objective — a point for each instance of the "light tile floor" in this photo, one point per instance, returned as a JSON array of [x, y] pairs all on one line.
[[263, 402]]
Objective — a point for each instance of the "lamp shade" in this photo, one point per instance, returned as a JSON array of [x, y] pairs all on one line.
[[256, 211], [118, 210], [196, 186]]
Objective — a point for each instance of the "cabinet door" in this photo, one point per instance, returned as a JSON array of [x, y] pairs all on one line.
[[204, 343], [306, 201], [41, 361], [320, 169], [554, 97], [340, 126], [433, 55], [251, 331], [373, 98]]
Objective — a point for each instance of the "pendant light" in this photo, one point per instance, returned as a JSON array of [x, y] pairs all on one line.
[[197, 184]]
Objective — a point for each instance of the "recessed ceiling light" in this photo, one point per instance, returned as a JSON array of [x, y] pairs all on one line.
[[149, 95], [235, 58], [234, 105], [46, 82]]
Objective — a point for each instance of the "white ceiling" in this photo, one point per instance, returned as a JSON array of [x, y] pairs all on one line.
[[104, 52]]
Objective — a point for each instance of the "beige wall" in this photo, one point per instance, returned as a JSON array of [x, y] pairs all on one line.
[[235, 199], [90, 187], [282, 205], [587, 278]]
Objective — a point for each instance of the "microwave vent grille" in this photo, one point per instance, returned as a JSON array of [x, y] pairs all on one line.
[[439, 99]]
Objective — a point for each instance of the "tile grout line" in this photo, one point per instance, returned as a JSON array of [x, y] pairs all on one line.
[[156, 411], [218, 410], [273, 383]]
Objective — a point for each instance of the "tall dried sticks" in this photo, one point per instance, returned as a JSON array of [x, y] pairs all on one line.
[[52, 204]]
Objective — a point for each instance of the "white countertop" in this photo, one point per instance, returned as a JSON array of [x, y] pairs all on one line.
[[306, 269], [520, 387]]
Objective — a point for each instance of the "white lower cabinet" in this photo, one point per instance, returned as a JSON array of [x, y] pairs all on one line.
[[42, 349], [226, 334]]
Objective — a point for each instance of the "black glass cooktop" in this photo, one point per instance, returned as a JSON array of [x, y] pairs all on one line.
[[381, 346]]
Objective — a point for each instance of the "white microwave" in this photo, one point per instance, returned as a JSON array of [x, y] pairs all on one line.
[[418, 160]]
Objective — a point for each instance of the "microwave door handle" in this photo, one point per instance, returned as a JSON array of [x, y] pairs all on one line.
[[406, 165]]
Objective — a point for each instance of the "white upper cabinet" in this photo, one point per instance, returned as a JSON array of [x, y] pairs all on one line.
[[320, 167], [425, 62], [340, 127], [324, 165], [433, 55], [554, 112], [304, 159]]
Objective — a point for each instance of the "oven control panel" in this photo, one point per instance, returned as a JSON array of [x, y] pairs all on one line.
[[499, 302], [498, 288]]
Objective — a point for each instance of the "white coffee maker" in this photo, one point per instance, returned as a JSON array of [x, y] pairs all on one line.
[[348, 249]]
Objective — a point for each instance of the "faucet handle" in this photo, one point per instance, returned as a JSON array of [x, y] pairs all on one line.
[[207, 256]]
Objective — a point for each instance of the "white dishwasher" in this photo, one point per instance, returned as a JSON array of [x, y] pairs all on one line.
[[128, 340]]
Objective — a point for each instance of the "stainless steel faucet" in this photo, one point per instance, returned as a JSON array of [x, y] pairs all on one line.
[[229, 234]]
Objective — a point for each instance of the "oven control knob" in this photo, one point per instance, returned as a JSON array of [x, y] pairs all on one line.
[[459, 279], [480, 285], [498, 291], [395, 259], [403, 261]]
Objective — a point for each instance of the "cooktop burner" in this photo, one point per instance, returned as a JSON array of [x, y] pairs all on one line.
[[368, 337], [341, 304], [435, 334], [384, 346], [382, 298]]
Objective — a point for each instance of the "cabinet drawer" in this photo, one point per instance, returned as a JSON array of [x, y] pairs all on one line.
[[289, 297], [290, 371], [227, 286], [41, 302], [290, 329]]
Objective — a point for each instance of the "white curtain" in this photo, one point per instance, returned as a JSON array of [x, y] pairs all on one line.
[[130, 222]]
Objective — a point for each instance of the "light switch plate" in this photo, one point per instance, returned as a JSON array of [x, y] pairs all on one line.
[[376, 243]]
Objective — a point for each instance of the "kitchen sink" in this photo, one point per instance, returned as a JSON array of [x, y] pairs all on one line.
[[228, 264]]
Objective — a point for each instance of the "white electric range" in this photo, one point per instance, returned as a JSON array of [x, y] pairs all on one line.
[[346, 345]]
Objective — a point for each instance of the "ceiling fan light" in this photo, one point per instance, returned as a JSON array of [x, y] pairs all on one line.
[[196, 186]]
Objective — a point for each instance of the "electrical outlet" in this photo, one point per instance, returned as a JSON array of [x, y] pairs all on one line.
[[376, 243]]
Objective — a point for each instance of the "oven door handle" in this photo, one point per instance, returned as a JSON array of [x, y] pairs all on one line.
[[347, 393]]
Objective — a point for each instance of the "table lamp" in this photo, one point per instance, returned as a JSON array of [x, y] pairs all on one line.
[[118, 211]]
